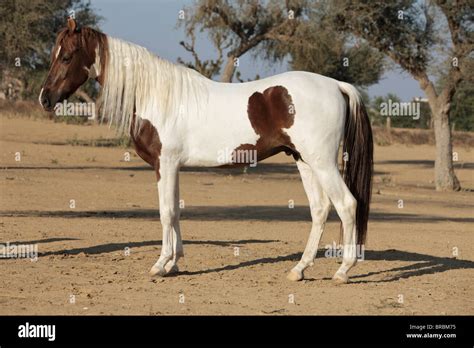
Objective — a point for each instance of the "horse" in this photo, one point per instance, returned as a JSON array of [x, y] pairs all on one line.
[[176, 117]]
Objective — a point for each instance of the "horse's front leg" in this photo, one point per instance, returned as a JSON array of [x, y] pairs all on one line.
[[168, 192]]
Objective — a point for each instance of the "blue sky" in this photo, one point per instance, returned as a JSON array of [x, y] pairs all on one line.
[[153, 24]]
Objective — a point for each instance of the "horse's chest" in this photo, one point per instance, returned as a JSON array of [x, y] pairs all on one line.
[[146, 142]]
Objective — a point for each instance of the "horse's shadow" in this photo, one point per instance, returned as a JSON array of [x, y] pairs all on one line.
[[420, 264], [111, 247], [423, 264]]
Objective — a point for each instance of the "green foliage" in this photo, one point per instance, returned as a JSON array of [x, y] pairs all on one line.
[[462, 108], [402, 29], [123, 141], [317, 46], [328, 53]]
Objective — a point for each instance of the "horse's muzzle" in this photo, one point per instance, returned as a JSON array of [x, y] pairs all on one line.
[[45, 101]]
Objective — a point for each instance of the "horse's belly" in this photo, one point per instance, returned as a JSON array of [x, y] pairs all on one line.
[[214, 145]]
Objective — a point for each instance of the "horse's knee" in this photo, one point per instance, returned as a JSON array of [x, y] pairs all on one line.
[[320, 212], [168, 216], [347, 210], [351, 205]]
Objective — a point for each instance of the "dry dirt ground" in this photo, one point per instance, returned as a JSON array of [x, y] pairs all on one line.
[[94, 258]]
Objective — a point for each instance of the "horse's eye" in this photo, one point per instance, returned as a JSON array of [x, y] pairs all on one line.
[[66, 58]]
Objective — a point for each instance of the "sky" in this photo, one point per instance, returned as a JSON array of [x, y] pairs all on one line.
[[153, 24]]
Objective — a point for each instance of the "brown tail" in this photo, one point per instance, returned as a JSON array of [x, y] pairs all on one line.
[[359, 148]]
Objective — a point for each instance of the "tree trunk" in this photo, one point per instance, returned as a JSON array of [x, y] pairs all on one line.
[[440, 105], [229, 69], [445, 178]]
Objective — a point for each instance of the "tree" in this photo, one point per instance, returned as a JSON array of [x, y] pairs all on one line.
[[27, 34], [209, 67], [404, 31], [241, 26], [317, 47], [327, 53]]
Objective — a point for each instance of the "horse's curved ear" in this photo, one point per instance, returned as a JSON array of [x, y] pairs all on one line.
[[71, 24]]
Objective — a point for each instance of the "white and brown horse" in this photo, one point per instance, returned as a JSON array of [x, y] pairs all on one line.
[[177, 117]]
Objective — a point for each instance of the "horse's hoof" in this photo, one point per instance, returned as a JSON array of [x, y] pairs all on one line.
[[157, 271], [171, 270], [340, 278], [295, 276]]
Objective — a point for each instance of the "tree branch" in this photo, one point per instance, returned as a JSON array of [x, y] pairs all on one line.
[[427, 86], [235, 26]]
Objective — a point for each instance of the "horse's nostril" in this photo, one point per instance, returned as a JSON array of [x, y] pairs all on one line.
[[45, 101]]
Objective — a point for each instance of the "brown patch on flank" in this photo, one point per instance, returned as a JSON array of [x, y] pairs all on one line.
[[269, 112], [146, 142]]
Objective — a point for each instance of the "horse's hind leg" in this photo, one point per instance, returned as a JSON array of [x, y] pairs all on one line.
[[319, 204], [345, 204]]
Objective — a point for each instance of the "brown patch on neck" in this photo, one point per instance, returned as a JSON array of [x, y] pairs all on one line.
[[91, 40], [269, 113], [147, 142]]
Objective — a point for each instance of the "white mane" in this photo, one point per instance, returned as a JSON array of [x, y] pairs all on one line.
[[157, 89]]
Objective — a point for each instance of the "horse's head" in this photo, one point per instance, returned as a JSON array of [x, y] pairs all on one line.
[[74, 58]]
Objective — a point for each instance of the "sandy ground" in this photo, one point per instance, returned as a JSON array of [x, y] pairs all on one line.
[[94, 258]]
